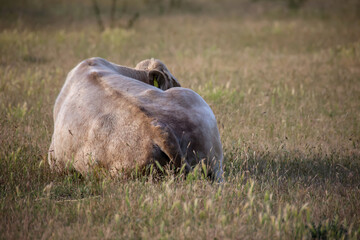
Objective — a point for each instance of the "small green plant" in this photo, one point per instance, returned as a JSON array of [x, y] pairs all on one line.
[[328, 230]]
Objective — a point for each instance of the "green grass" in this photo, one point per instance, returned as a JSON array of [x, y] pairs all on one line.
[[284, 85]]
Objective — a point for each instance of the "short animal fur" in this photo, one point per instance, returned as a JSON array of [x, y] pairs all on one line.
[[113, 117]]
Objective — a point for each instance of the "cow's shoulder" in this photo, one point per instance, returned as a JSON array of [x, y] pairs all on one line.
[[93, 62], [85, 75], [90, 71]]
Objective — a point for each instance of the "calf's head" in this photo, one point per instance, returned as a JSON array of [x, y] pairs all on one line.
[[158, 74]]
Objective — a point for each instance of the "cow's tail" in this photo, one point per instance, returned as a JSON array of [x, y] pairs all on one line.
[[170, 146]]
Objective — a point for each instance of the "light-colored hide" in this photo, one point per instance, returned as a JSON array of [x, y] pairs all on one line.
[[110, 116]]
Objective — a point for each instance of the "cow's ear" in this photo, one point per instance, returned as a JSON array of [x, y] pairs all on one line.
[[158, 79], [174, 81]]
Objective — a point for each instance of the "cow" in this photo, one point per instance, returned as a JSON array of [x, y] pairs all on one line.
[[120, 118]]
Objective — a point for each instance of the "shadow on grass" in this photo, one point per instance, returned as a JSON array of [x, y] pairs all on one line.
[[292, 167]]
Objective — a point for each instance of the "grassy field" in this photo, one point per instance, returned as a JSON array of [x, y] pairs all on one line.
[[283, 82]]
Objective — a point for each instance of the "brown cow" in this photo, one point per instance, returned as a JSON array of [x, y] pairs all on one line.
[[111, 116]]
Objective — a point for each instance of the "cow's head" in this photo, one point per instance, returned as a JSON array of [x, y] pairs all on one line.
[[158, 74]]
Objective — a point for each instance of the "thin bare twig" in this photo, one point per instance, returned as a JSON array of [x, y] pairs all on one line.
[[98, 16], [112, 13]]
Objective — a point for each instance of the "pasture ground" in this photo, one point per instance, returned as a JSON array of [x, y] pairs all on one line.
[[284, 84]]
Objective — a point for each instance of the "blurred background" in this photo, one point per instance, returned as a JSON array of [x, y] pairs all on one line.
[[124, 13]]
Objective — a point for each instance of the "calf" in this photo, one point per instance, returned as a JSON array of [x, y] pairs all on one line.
[[114, 117]]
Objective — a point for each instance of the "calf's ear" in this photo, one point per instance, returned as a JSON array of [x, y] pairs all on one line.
[[174, 81], [158, 79], [162, 79]]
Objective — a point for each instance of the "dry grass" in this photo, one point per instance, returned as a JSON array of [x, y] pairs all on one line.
[[283, 84]]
